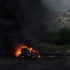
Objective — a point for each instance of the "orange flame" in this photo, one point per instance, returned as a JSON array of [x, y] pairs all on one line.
[[18, 52]]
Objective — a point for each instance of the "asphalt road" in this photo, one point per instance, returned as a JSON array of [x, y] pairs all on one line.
[[47, 63]]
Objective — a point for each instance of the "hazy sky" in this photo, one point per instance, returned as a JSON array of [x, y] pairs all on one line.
[[58, 4]]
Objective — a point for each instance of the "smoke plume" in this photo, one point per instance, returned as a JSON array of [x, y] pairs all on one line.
[[22, 21]]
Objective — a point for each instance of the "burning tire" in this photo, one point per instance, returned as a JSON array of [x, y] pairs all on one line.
[[23, 51], [26, 54], [34, 55]]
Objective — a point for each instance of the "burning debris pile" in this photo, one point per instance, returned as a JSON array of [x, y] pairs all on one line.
[[22, 51]]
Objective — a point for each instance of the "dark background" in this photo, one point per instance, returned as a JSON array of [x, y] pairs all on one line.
[[22, 21]]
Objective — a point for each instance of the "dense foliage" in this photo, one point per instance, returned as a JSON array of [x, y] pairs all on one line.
[[62, 37]]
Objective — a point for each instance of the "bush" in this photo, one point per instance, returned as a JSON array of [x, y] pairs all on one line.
[[62, 37]]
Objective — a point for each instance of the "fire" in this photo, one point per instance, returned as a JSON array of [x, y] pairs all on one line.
[[19, 47]]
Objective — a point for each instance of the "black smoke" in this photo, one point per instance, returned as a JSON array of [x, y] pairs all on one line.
[[22, 21]]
